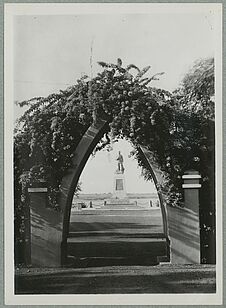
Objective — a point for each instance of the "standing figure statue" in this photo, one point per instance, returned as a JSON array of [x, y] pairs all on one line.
[[120, 162]]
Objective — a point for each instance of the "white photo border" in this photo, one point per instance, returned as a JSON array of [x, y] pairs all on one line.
[[13, 9]]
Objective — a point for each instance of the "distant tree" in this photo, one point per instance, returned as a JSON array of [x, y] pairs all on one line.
[[196, 100], [197, 89]]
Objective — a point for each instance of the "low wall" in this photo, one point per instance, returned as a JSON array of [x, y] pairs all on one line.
[[46, 232], [184, 235], [184, 223]]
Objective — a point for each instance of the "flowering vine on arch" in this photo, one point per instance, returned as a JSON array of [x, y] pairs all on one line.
[[176, 133]]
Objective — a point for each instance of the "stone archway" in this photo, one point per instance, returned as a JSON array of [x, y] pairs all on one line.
[[49, 228], [70, 180]]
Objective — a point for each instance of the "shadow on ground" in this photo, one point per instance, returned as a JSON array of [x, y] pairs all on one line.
[[115, 261], [117, 280]]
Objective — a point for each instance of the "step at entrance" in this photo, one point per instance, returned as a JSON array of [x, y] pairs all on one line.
[[114, 246]]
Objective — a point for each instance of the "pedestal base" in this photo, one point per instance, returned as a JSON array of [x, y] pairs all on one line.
[[119, 189], [115, 201]]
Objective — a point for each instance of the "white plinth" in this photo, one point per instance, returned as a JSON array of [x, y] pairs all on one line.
[[119, 188]]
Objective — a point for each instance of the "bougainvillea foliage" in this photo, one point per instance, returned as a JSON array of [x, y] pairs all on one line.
[[177, 128]]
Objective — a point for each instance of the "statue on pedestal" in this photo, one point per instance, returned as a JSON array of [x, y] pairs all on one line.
[[121, 168]]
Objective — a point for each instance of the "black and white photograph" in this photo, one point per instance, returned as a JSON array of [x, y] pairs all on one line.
[[113, 128]]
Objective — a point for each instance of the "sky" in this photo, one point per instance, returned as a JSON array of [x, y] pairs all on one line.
[[52, 51], [98, 174]]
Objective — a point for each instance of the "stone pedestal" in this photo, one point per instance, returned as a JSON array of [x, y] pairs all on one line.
[[119, 188]]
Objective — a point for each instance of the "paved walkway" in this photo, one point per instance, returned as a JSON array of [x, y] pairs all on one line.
[[118, 280], [117, 232]]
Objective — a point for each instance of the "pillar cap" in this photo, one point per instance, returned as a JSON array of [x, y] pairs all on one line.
[[191, 176], [191, 185]]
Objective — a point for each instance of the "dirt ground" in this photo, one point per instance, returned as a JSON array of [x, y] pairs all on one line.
[[162, 278]]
